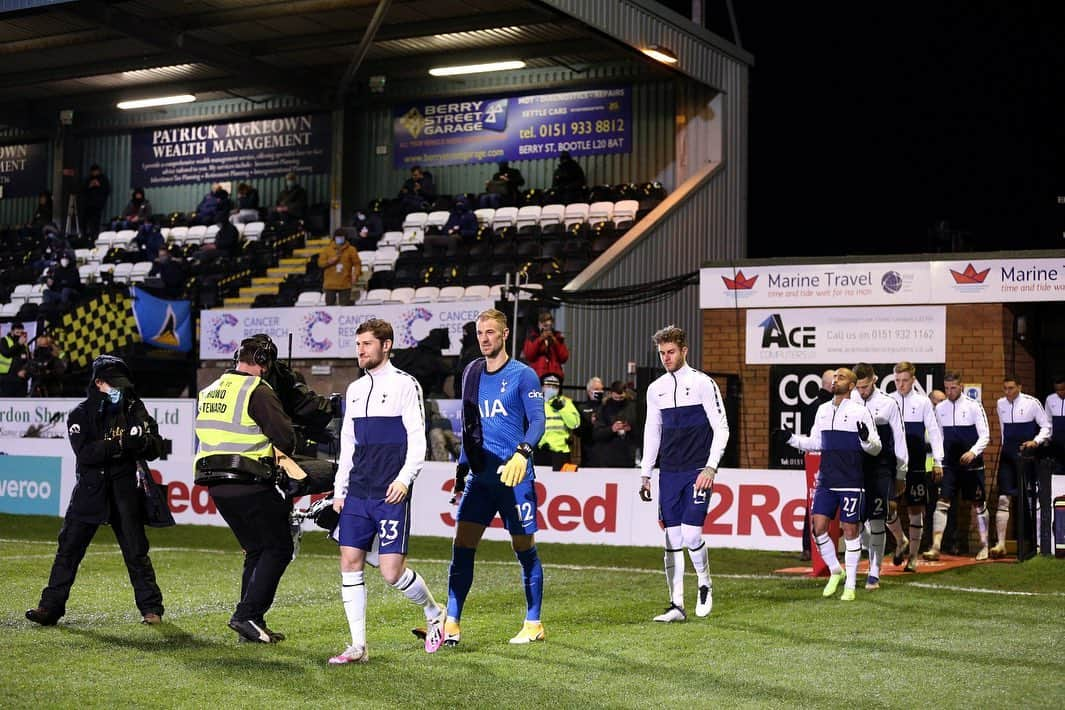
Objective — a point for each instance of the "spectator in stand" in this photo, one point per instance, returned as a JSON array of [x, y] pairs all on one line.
[[292, 201], [138, 210], [247, 207], [148, 241], [43, 214], [369, 227], [94, 200], [545, 348], [503, 188], [418, 190], [171, 273], [228, 240], [64, 282], [54, 247], [614, 433], [461, 225], [589, 411], [341, 266], [569, 180], [214, 206]]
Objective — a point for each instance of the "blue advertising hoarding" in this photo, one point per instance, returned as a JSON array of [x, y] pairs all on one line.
[[30, 485], [534, 126], [209, 152], [23, 169]]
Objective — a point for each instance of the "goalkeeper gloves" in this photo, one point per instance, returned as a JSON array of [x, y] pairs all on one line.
[[513, 471]]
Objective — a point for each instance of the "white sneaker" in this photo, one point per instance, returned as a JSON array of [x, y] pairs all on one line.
[[706, 601], [982, 554], [353, 654], [672, 613], [434, 632]]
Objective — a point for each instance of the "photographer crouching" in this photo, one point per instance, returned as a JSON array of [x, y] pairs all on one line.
[[46, 368], [109, 432]]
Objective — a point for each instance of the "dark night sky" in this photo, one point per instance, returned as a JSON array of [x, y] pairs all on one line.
[[870, 122]]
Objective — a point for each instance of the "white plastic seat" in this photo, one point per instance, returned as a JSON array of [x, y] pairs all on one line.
[[10, 309], [415, 220], [253, 231], [139, 272], [496, 292], [576, 213], [412, 239], [600, 212], [122, 272], [22, 292], [504, 217], [528, 216], [426, 294], [386, 258], [476, 292], [390, 239], [309, 298], [178, 234], [89, 273], [375, 296], [438, 218], [211, 233], [106, 269], [552, 214], [485, 215], [105, 239], [124, 238], [198, 231], [82, 256], [240, 228], [165, 231], [451, 293], [402, 295], [625, 210]]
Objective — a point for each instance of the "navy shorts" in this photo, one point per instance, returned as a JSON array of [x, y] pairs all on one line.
[[968, 480], [679, 502], [362, 519], [879, 490], [916, 487], [849, 503], [1009, 474], [484, 496]]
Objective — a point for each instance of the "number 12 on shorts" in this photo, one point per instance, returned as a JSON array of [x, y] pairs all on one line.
[[525, 512]]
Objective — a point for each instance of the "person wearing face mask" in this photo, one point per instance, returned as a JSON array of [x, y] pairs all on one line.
[[14, 356], [562, 419], [64, 282], [110, 431], [292, 201], [589, 411], [138, 210], [341, 266]]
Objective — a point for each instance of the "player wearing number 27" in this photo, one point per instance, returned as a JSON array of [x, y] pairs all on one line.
[[842, 430], [686, 432], [382, 449]]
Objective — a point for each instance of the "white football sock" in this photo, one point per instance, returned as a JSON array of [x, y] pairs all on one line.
[[701, 562], [828, 552], [674, 564], [939, 522], [851, 557], [895, 526], [353, 593], [980, 519], [1002, 519], [877, 543], [414, 588]]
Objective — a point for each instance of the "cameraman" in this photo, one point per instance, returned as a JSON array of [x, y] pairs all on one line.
[[110, 431], [46, 368], [562, 420], [545, 349], [14, 357]]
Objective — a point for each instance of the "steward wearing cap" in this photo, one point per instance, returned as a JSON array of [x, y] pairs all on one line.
[[241, 427], [110, 431], [562, 419]]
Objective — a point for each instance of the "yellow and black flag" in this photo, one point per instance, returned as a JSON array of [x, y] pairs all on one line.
[[103, 325]]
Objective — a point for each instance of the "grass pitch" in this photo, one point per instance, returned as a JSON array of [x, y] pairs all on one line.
[[980, 636]]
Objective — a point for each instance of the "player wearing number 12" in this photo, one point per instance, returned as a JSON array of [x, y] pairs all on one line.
[[382, 449], [502, 420]]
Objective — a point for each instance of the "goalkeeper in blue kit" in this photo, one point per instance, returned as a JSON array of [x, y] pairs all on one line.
[[502, 421]]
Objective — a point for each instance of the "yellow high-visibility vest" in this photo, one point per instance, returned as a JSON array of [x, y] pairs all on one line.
[[223, 424]]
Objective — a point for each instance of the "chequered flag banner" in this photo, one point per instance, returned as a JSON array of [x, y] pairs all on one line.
[[103, 325]]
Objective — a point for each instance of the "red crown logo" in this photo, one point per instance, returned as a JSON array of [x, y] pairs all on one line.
[[970, 275], [740, 283]]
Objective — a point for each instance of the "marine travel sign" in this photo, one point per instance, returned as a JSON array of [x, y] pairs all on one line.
[[490, 129]]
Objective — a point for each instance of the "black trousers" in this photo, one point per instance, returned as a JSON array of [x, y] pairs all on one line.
[[260, 522], [126, 519]]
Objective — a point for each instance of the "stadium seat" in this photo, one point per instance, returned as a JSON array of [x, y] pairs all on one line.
[[36, 293], [310, 298], [625, 214], [211, 234], [198, 231], [386, 257], [105, 240], [10, 309], [437, 219], [403, 295], [165, 231], [140, 271], [177, 234], [412, 239], [528, 219], [21, 293], [253, 231], [390, 239], [485, 215], [124, 239], [122, 272], [476, 292], [89, 273], [451, 293], [496, 292], [576, 213], [426, 294], [106, 271], [82, 256], [600, 212], [504, 217], [551, 218], [415, 220], [375, 296]]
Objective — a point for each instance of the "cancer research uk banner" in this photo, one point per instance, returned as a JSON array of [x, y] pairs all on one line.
[[329, 331], [23, 169], [846, 335], [206, 152], [489, 129]]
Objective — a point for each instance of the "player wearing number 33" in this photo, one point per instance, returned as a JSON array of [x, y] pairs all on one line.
[[686, 432], [382, 449], [842, 430]]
